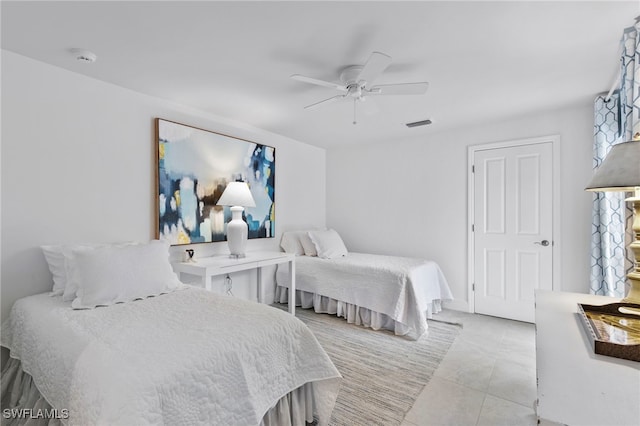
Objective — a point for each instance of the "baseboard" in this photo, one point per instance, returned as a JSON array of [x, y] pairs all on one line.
[[456, 305]]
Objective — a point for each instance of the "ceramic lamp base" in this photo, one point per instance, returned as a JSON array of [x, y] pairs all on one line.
[[237, 232]]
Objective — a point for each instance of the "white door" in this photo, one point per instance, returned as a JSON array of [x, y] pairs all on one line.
[[513, 235]]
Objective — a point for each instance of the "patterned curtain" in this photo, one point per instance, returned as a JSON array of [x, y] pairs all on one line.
[[607, 227], [615, 120]]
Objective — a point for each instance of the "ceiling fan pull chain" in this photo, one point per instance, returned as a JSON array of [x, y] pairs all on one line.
[[354, 111]]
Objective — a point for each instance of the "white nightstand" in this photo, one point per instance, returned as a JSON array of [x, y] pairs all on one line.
[[207, 267]]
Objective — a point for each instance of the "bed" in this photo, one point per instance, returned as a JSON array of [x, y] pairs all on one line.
[[381, 292], [184, 356]]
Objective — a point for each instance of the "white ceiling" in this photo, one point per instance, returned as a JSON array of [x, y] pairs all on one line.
[[485, 61]]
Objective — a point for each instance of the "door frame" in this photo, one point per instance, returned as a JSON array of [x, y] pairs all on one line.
[[555, 200]]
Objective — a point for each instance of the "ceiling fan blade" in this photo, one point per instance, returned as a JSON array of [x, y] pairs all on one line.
[[326, 101], [419, 88], [376, 63], [318, 82]]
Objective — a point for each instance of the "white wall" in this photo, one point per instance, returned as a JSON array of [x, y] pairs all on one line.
[[409, 197], [78, 166]]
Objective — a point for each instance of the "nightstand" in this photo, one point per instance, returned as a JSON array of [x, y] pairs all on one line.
[[207, 267]]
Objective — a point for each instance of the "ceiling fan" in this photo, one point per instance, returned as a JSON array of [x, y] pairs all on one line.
[[356, 83]]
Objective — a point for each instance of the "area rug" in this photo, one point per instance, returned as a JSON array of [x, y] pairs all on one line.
[[383, 374]]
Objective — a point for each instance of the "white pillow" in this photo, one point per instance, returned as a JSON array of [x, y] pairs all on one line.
[[290, 243], [109, 275], [328, 244], [57, 256], [307, 245], [56, 261], [298, 243]]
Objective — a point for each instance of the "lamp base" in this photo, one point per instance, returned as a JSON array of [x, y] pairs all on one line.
[[237, 256], [632, 300], [237, 231], [633, 296]]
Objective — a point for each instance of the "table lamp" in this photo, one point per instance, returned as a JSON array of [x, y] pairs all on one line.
[[620, 171], [238, 196]]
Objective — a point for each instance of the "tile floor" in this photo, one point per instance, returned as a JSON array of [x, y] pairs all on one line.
[[488, 377]]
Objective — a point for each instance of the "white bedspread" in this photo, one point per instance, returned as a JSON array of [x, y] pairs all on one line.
[[399, 287], [184, 358]]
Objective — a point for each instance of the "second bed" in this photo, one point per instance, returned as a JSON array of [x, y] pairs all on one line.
[[381, 292]]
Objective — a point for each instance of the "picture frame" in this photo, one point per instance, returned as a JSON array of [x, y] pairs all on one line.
[[193, 167]]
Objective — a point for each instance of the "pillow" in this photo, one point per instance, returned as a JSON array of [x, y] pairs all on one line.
[[298, 243], [307, 245], [115, 274], [56, 257], [290, 243], [328, 244]]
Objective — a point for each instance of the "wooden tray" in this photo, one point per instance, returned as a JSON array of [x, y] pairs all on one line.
[[612, 333]]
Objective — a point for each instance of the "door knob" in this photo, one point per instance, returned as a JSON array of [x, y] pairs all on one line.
[[543, 243]]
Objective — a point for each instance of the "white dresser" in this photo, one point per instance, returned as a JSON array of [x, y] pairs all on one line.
[[575, 386]]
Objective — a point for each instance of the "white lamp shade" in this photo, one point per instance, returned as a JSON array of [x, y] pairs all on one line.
[[237, 194], [620, 170]]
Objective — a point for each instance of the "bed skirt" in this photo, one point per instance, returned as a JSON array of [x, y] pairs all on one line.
[[354, 314], [19, 392]]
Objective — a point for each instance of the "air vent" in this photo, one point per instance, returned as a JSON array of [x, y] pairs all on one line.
[[419, 123]]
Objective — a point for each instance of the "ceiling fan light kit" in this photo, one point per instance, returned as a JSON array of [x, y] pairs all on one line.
[[355, 83]]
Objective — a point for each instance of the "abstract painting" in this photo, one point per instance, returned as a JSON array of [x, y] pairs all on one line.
[[194, 167]]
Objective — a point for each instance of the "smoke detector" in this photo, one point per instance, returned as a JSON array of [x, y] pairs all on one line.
[[84, 55]]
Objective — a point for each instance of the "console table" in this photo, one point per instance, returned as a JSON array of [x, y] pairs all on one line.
[[576, 386], [207, 267]]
